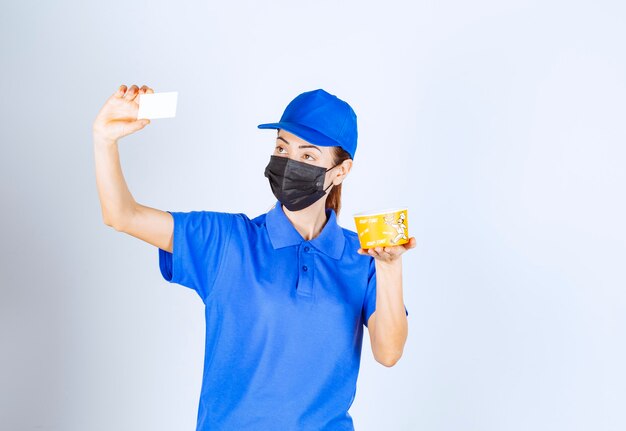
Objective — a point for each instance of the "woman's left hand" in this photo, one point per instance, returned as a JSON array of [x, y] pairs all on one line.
[[390, 253]]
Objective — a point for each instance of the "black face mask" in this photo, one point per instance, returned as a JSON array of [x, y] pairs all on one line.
[[296, 184]]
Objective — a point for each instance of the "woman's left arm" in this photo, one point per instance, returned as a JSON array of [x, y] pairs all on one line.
[[388, 325]]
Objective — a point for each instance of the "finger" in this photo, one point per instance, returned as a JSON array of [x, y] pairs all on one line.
[[393, 250], [381, 252], [131, 93], [141, 91], [120, 91], [127, 90], [386, 253], [150, 90]]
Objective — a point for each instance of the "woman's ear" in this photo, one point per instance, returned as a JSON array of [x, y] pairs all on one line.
[[346, 166], [344, 169]]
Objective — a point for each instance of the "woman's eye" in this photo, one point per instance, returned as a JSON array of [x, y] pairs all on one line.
[[281, 150]]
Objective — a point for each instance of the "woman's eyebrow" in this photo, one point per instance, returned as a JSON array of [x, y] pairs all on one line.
[[301, 146]]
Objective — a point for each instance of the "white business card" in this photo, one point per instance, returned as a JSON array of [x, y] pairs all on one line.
[[157, 105]]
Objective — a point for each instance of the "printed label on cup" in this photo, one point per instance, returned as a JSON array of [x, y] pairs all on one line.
[[383, 228]]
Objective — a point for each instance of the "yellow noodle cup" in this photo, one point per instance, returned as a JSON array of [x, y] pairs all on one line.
[[383, 228]]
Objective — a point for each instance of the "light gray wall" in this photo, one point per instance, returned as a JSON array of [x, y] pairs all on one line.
[[501, 125]]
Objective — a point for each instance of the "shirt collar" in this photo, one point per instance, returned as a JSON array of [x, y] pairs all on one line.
[[282, 233]]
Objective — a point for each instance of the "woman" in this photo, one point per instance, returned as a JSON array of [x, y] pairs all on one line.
[[286, 293]]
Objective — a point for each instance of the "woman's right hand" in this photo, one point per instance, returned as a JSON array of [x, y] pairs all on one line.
[[118, 116]]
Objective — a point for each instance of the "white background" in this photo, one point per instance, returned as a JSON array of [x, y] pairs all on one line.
[[499, 124]]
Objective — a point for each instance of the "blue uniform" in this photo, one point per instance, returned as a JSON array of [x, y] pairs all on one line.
[[284, 318]]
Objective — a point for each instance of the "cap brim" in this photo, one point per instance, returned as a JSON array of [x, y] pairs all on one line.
[[303, 132]]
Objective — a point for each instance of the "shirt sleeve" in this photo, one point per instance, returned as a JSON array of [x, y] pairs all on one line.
[[199, 241], [369, 304]]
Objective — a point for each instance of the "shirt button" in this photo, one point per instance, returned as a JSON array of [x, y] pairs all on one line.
[[305, 268], [306, 249]]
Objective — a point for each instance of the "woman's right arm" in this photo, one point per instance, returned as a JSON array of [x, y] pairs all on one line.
[[116, 119]]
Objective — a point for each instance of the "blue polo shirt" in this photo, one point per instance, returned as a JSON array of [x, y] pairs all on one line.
[[284, 318]]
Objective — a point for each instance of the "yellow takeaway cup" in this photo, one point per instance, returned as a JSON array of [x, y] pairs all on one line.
[[382, 228]]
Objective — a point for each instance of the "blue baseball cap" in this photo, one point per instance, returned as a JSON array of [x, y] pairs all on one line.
[[320, 118]]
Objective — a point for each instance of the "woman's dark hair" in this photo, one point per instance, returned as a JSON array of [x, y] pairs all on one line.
[[334, 196]]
